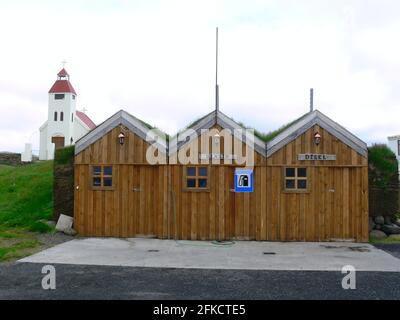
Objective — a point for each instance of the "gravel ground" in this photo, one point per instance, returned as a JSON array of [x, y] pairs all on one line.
[[51, 239]]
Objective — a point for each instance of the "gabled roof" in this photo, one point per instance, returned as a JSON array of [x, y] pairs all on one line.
[[308, 121], [120, 118], [85, 119], [207, 122]]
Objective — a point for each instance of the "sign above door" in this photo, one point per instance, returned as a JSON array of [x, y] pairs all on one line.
[[316, 156]]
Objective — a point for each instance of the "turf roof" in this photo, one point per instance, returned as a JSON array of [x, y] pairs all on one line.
[[264, 136]]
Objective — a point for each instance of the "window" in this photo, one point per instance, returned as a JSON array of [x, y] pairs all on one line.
[[72, 117], [196, 178], [295, 179], [73, 97], [61, 116], [59, 96], [55, 116], [102, 177]]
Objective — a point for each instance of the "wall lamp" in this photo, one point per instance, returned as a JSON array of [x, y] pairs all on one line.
[[317, 138], [121, 138]]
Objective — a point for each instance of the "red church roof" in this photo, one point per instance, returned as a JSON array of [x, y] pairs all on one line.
[[86, 119], [62, 85], [63, 73]]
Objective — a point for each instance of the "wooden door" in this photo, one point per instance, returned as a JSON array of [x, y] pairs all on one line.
[[242, 212], [144, 202], [58, 141]]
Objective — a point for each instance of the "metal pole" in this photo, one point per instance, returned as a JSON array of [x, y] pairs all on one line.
[[311, 100], [216, 74]]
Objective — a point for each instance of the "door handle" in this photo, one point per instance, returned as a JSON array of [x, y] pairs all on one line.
[[136, 189]]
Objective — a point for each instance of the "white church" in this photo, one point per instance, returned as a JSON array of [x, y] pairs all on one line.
[[64, 124]]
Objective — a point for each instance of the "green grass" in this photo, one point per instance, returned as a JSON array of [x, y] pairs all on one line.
[[26, 196], [384, 241], [17, 250], [26, 201]]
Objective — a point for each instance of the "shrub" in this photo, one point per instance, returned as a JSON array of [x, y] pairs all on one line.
[[383, 171]]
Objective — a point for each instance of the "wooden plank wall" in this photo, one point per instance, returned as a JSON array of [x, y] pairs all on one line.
[[165, 210], [320, 214], [123, 212]]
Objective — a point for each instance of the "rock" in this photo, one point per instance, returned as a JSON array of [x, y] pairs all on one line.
[[398, 222], [388, 220], [371, 224], [64, 222], [391, 229], [377, 234], [378, 227], [394, 237], [70, 232], [379, 220]]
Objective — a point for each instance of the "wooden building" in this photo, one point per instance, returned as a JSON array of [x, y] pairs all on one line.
[[309, 183]]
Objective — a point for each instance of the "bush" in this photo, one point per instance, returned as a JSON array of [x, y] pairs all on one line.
[[383, 171]]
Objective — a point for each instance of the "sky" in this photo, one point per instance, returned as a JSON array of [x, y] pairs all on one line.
[[156, 60]]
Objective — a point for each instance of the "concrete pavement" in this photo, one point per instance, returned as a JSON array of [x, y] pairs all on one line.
[[241, 255]]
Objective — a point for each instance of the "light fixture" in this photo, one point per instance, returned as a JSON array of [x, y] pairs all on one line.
[[216, 138], [121, 138], [317, 138]]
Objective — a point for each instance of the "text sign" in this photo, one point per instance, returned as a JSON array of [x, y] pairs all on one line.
[[217, 156], [317, 156], [243, 180]]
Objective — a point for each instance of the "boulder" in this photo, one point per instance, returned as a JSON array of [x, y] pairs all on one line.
[[371, 224], [377, 234], [391, 229], [70, 232], [388, 220], [378, 227], [398, 222], [379, 220], [394, 237], [64, 222]]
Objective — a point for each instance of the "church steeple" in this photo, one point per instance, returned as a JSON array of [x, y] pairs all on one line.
[[62, 85]]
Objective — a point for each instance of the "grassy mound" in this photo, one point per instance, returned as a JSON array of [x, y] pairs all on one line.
[[26, 198]]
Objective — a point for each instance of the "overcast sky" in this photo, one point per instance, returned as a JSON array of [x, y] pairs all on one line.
[[156, 60]]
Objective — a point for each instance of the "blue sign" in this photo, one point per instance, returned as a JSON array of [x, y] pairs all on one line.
[[244, 180]]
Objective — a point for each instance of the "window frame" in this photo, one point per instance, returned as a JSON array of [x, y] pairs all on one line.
[[102, 176], [196, 177], [296, 178], [59, 96]]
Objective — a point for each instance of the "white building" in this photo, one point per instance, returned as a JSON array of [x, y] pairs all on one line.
[[64, 124], [394, 145]]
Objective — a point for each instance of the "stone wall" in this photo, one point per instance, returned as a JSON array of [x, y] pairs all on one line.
[[63, 182], [10, 158]]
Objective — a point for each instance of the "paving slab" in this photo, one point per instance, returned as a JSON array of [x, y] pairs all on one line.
[[244, 255]]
